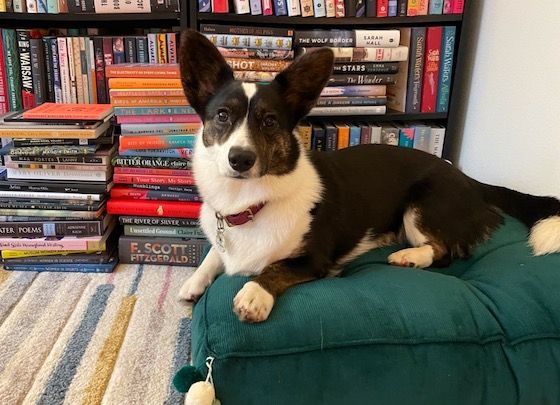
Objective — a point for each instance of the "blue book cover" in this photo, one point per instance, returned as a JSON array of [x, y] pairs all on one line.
[[355, 135], [436, 7], [446, 68], [280, 7], [415, 69], [406, 137], [392, 10], [204, 6], [331, 137], [318, 138]]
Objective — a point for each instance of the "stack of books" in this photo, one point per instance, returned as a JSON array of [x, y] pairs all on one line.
[[334, 8], [365, 63], [154, 194], [54, 190], [256, 54]]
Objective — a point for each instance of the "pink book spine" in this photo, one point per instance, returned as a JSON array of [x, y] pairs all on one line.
[[458, 6], [42, 244], [339, 10], [447, 6], [153, 119], [267, 7]]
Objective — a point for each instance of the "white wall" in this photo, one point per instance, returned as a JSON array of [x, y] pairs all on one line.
[[512, 122]]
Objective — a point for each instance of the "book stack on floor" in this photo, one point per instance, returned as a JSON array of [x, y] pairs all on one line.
[[366, 61], [58, 173], [425, 136], [154, 192], [256, 54]]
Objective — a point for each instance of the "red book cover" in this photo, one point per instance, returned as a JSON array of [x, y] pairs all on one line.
[[150, 171], [4, 103], [267, 7], [339, 10], [220, 6], [457, 6], [153, 208], [431, 69], [382, 8], [151, 179]]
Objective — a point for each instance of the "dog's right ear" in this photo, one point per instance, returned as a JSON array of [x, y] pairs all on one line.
[[203, 69]]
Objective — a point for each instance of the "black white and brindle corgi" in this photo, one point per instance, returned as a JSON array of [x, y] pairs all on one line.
[[287, 216]]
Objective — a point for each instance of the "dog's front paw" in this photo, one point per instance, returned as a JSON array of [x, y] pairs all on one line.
[[419, 257], [193, 288], [253, 303]]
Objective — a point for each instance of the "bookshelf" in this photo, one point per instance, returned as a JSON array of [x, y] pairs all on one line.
[[451, 119]]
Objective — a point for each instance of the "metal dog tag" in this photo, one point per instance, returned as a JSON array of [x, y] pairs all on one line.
[[220, 238]]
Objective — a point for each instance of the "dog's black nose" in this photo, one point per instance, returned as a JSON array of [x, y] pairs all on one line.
[[241, 159]]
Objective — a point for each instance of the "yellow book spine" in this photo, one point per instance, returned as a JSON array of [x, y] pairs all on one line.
[[2, 6], [412, 9], [49, 134], [17, 254]]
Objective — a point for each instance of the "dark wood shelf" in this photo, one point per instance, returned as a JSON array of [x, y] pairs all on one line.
[[26, 20], [390, 116], [323, 22]]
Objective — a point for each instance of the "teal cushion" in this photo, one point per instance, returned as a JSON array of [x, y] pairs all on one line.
[[485, 330]]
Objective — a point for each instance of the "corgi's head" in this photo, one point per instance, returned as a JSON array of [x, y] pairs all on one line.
[[248, 128]]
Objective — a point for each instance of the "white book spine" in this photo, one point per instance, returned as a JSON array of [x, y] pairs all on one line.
[[293, 8], [256, 7], [350, 110], [375, 134], [54, 174], [18, 6], [122, 6], [330, 7], [52, 196], [377, 38], [64, 70], [91, 70], [437, 136], [319, 6], [71, 70], [242, 6], [31, 6], [398, 54], [306, 8], [152, 48]]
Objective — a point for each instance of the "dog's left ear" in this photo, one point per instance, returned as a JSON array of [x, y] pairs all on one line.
[[203, 69], [301, 83]]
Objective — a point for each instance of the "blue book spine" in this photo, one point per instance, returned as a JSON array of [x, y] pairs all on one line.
[[392, 10], [256, 7], [280, 7], [355, 135], [331, 137], [204, 6], [77, 268], [446, 68], [318, 138], [42, 6], [56, 71], [415, 69], [436, 7], [174, 153], [406, 137]]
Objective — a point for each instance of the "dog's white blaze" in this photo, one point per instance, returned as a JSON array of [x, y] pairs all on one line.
[[279, 227], [250, 89], [413, 234], [545, 236]]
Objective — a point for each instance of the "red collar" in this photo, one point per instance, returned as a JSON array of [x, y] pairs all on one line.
[[242, 217]]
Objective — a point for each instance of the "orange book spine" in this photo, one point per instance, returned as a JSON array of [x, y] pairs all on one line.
[[144, 83], [146, 93], [148, 101], [163, 71], [343, 136]]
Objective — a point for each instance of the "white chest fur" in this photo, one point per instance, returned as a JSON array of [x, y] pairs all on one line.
[[277, 230]]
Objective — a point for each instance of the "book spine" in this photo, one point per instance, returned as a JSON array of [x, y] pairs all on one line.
[[256, 7], [142, 50], [118, 50], [156, 221], [42, 6], [148, 101], [152, 48], [416, 69], [294, 8], [152, 162], [365, 134], [107, 61], [48, 65], [72, 268], [126, 111], [382, 8], [64, 70], [377, 38], [267, 7], [371, 8], [422, 138], [44, 229], [257, 64], [350, 91], [72, 70], [38, 70], [343, 137], [13, 74], [305, 134], [204, 6], [360, 8], [62, 6], [307, 8], [27, 93], [78, 70], [55, 188], [319, 8], [41, 244], [431, 69], [402, 8], [436, 7], [355, 133], [347, 80], [55, 174], [150, 179], [170, 209], [171, 47], [20, 6], [151, 71], [406, 137], [3, 6], [220, 6], [279, 7], [161, 41], [56, 72], [366, 68], [130, 49], [397, 54], [184, 153], [389, 135], [31, 6], [350, 8], [412, 9], [168, 251], [331, 137], [125, 192], [241, 6], [392, 8], [156, 171], [330, 8], [90, 64], [154, 119], [458, 6], [437, 136], [422, 7], [446, 68], [315, 38], [143, 83], [156, 142], [99, 60], [250, 41], [447, 6], [318, 138], [348, 110], [348, 101], [160, 129], [4, 96], [52, 7], [164, 231]]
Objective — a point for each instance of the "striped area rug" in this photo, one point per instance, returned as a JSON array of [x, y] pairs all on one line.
[[68, 338]]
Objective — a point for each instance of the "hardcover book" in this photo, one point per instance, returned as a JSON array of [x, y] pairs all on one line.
[[446, 68], [69, 111], [416, 69], [168, 251], [431, 69]]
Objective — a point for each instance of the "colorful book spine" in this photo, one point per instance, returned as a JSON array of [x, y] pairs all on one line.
[[250, 41], [318, 138], [157, 221], [164, 231], [348, 110], [143, 83], [347, 80], [280, 7], [151, 179], [343, 132], [56, 228], [256, 7], [64, 70], [406, 137], [319, 7], [20, 6], [307, 8], [330, 8], [170, 209], [144, 70], [66, 243], [4, 96], [148, 101], [124, 111], [436, 7], [267, 7], [152, 163], [447, 6], [161, 41], [12, 64], [412, 9], [422, 7], [373, 54], [152, 171], [355, 135], [350, 91], [165, 251], [183, 153], [171, 47], [126, 192], [152, 48], [159, 129], [416, 69], [382, 8], [52, 7], [27, 92], [458, 6], [42, 6], [339, 8], [31, 6], [73, 268], [220, 6], [446, 68], [393, 8], [241, 6], [152, 119], [431, 69], [156, 142], [204, 6], [422, 135]]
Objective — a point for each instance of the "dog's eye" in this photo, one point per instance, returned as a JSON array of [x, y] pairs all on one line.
[[269, 121], [223, 115]]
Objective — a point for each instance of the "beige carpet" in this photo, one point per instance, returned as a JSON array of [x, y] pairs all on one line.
[[115, 339]]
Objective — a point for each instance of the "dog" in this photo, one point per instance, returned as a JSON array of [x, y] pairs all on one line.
[[286, 216]]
